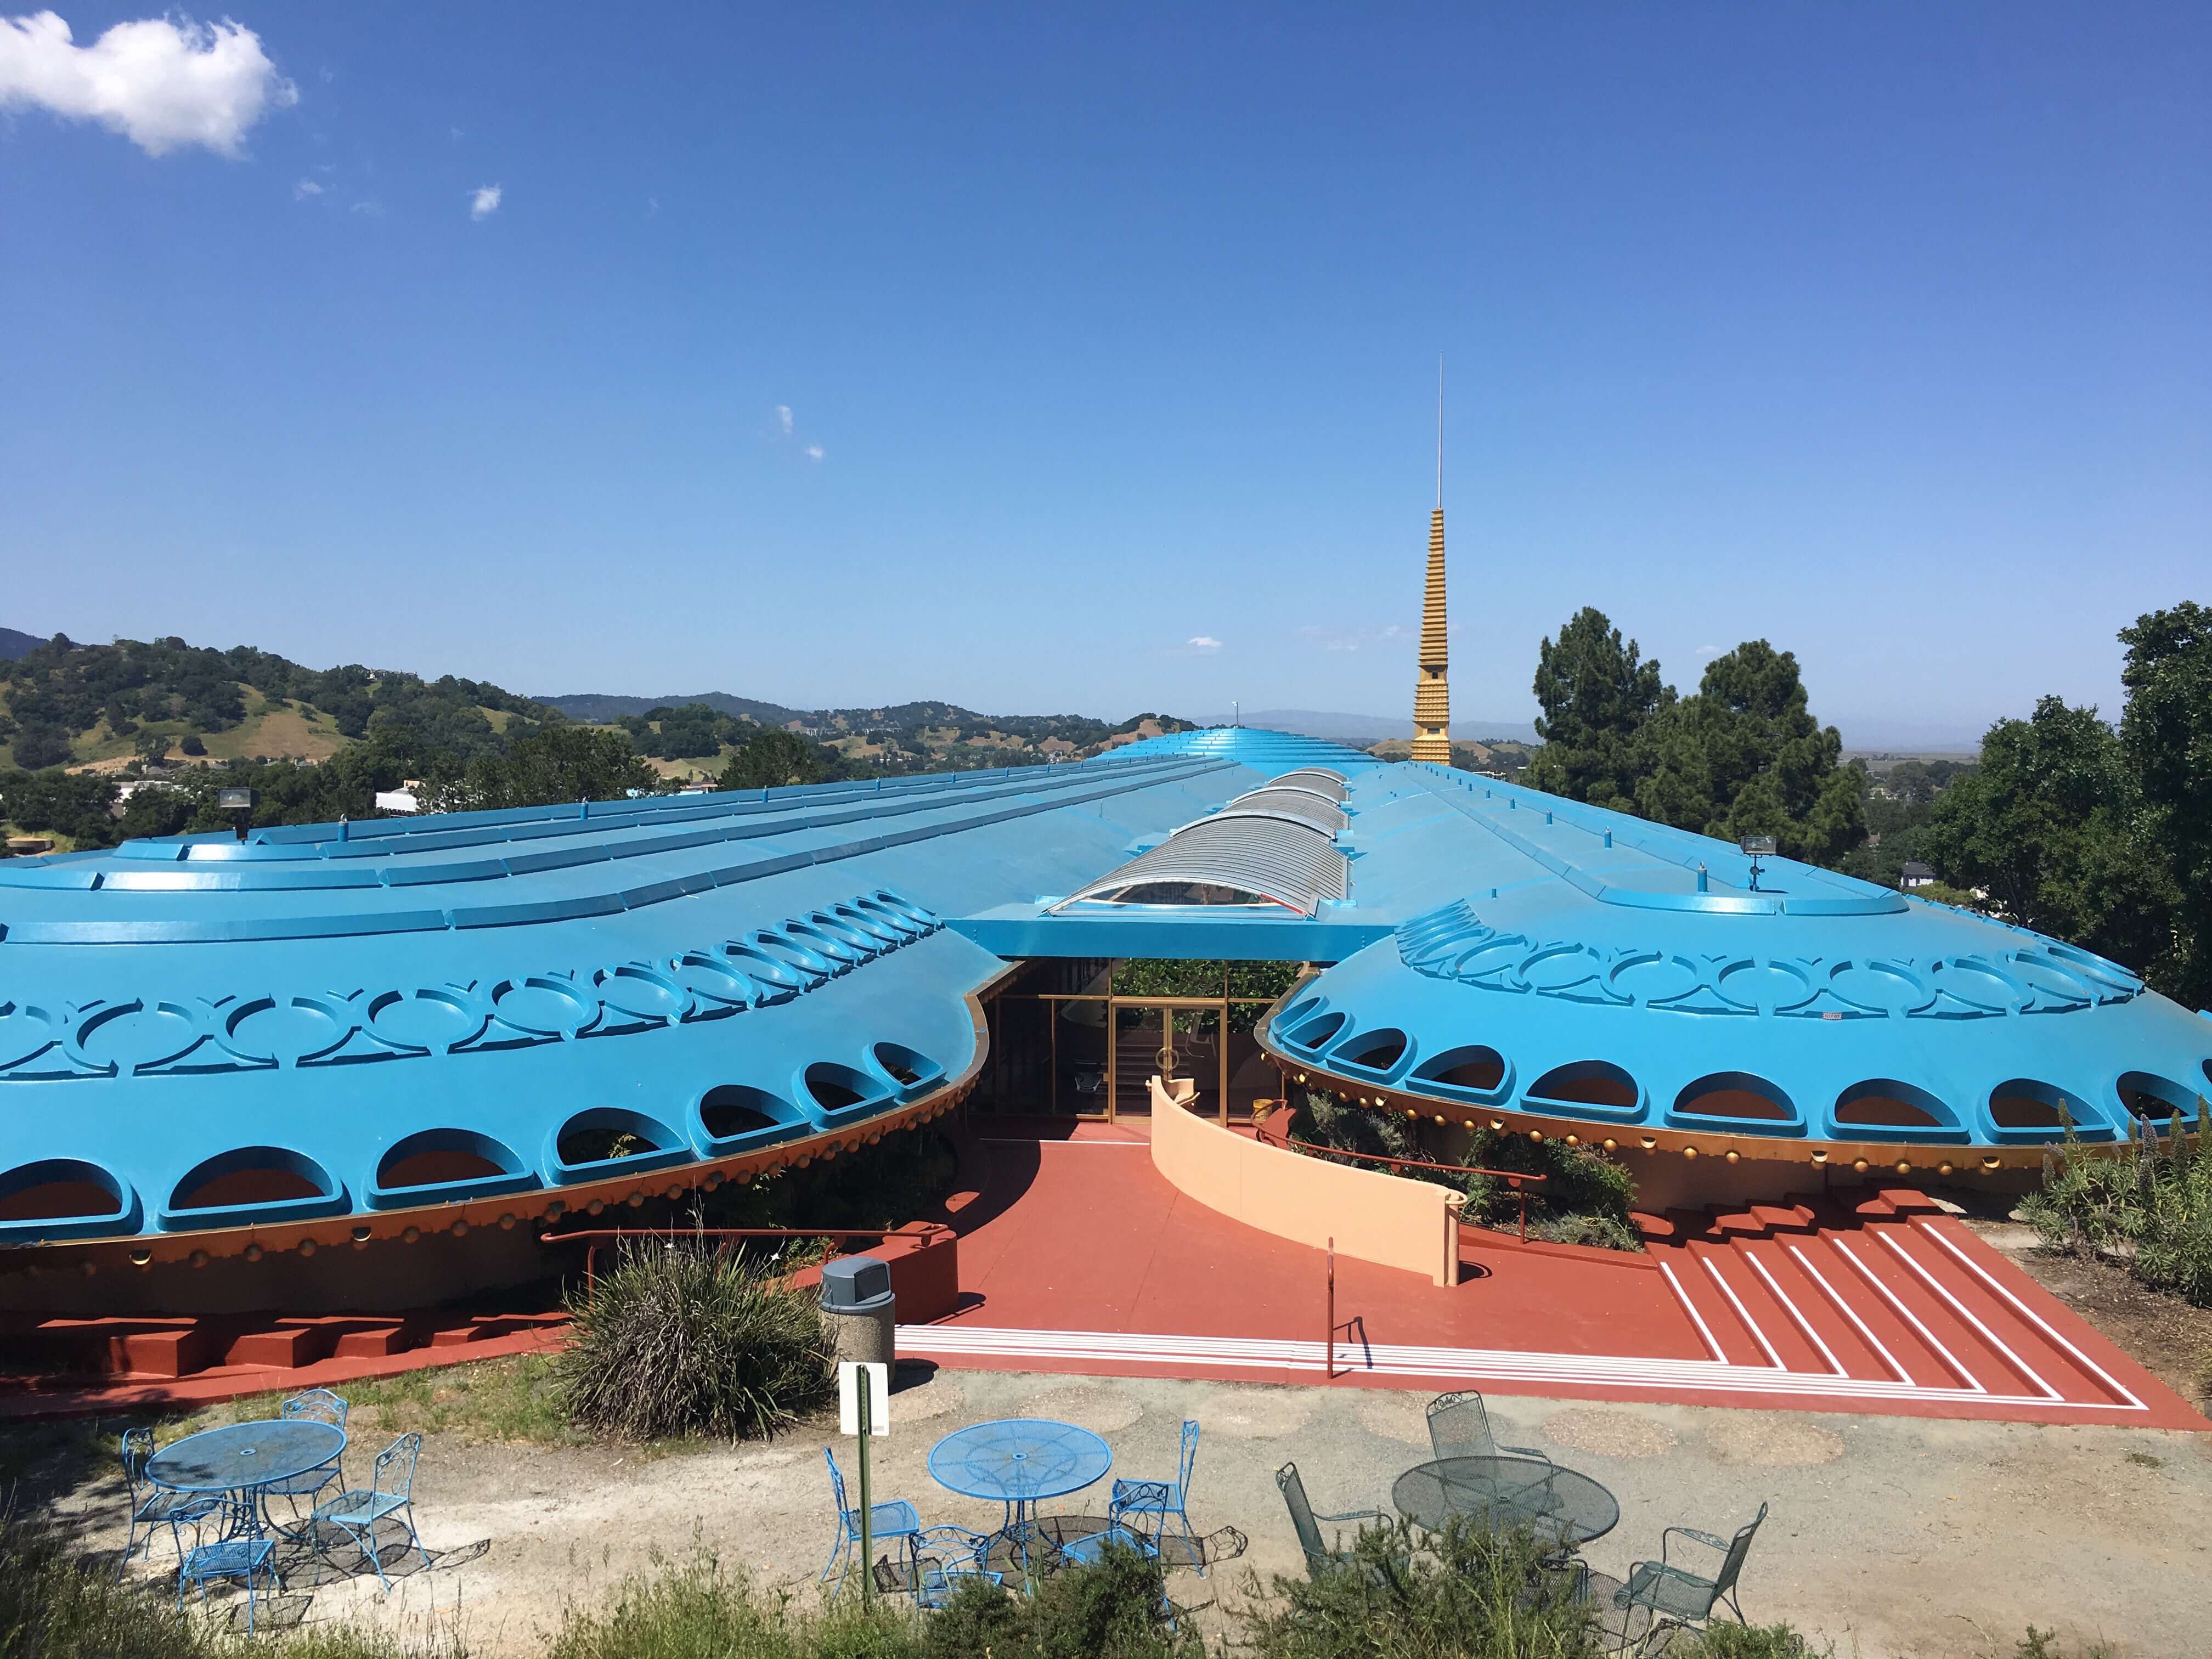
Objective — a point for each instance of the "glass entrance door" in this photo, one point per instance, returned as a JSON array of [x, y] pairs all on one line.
[[1178, 1038]]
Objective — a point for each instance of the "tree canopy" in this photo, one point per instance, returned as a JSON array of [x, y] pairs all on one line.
[[1744, 756], [2167, 734], [1597, 692], [2050, 827], [774, 758]]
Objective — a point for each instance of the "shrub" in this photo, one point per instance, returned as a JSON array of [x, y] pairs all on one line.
[[1726, 1641], [695, 1610], [1465, 1593], [55, 1607], [2151, 1207], [1116, 1609], [681, 1339]]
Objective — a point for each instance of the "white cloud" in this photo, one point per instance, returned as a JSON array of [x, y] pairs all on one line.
[[1709, 651], [161, 82], [305, 188], [814, 452], [1203, 642], [370, 208], [484, 201], [783, 418]]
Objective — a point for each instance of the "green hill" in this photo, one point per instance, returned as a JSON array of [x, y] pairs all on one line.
[[61, 703]]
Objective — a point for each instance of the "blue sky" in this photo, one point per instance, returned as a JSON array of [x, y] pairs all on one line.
[[1883, 332]]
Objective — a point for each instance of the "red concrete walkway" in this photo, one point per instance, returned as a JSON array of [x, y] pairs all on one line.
[[1077, 1257]]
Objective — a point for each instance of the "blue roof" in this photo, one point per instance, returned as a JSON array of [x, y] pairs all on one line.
[[717, 975]]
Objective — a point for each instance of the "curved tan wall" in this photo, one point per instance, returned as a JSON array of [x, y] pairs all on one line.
[[1375, 1217]]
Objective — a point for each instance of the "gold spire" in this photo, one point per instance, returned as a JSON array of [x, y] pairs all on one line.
[[1431, 694]]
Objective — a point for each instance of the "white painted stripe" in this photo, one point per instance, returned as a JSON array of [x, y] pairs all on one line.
[[1906, 1314], [1965, 1313], [1742, 1312], [1588, 1370], [1691, 1309], [2030, 1314], [1852, 1313], [1796, 1313]]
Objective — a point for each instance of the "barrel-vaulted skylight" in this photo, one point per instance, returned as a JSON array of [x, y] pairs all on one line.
[[1232, 859]]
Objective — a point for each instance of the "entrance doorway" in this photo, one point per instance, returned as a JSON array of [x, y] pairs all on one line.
[[1083, 1038]]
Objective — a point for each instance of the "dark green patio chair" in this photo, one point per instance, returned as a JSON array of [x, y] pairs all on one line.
[[1674, 1596], [1319, 1558]]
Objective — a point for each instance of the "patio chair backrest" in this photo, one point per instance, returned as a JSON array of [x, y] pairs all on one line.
[[319, 1405], [1739, 1547], [1293, 1488], [1189, 1458], [395, 1466], [137, 1452], [836, 1481], [1460, 1427]]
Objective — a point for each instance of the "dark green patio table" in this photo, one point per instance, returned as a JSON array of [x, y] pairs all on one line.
[[1558, 1506]]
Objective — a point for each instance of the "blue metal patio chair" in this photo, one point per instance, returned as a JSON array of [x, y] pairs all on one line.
[[153, 1507], [1319, 1558], [319, 1406], [247, 1557], [1675, 1596], [895, 1519], [1161, 1499], [391, 1491], [1460, 1427]]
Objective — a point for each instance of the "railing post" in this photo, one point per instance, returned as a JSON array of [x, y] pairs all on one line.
[[1328, 1350]]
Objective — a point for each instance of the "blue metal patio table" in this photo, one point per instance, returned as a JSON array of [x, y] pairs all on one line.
[[1016, 1460], [238, 1459]]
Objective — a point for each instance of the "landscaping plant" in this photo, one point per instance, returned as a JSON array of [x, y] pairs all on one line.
[[683, 1338], [1466, 1592], [2149, 1207]]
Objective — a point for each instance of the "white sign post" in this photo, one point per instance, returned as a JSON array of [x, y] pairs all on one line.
[[864, 1410]]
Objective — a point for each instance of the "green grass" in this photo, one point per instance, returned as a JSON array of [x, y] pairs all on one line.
[[512, 1399]]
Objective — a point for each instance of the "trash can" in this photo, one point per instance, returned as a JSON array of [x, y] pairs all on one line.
[[861, 1309]]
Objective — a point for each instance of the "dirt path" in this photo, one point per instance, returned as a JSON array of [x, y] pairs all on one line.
[[1891, 1536]]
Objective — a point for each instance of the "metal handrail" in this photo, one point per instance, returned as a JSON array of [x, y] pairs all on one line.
[[1512, 1178]]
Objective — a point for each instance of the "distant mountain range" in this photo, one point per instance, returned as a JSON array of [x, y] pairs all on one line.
[[14, 645], [1362, 730]]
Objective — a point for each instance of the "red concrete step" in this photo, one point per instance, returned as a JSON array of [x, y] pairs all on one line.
[[284, 1348], [1710, 1307], [1777, 1337], [1838, 1346], [2030, 1351]]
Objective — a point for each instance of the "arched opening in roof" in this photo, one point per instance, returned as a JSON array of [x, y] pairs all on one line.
[[733, 1114], [2029, 1106], [252, 1183], [1475, 1068], [1587, 1082], [909, 1068], [1297, 1010], [61, 1190], [1379, 1051], [780, 980], [1317, 1031], [795, 958], [444, 1158], [899, 921], [1738, 1096], [1886, 1103], [610, 1138], [836, 1088], [2155, 1099]]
